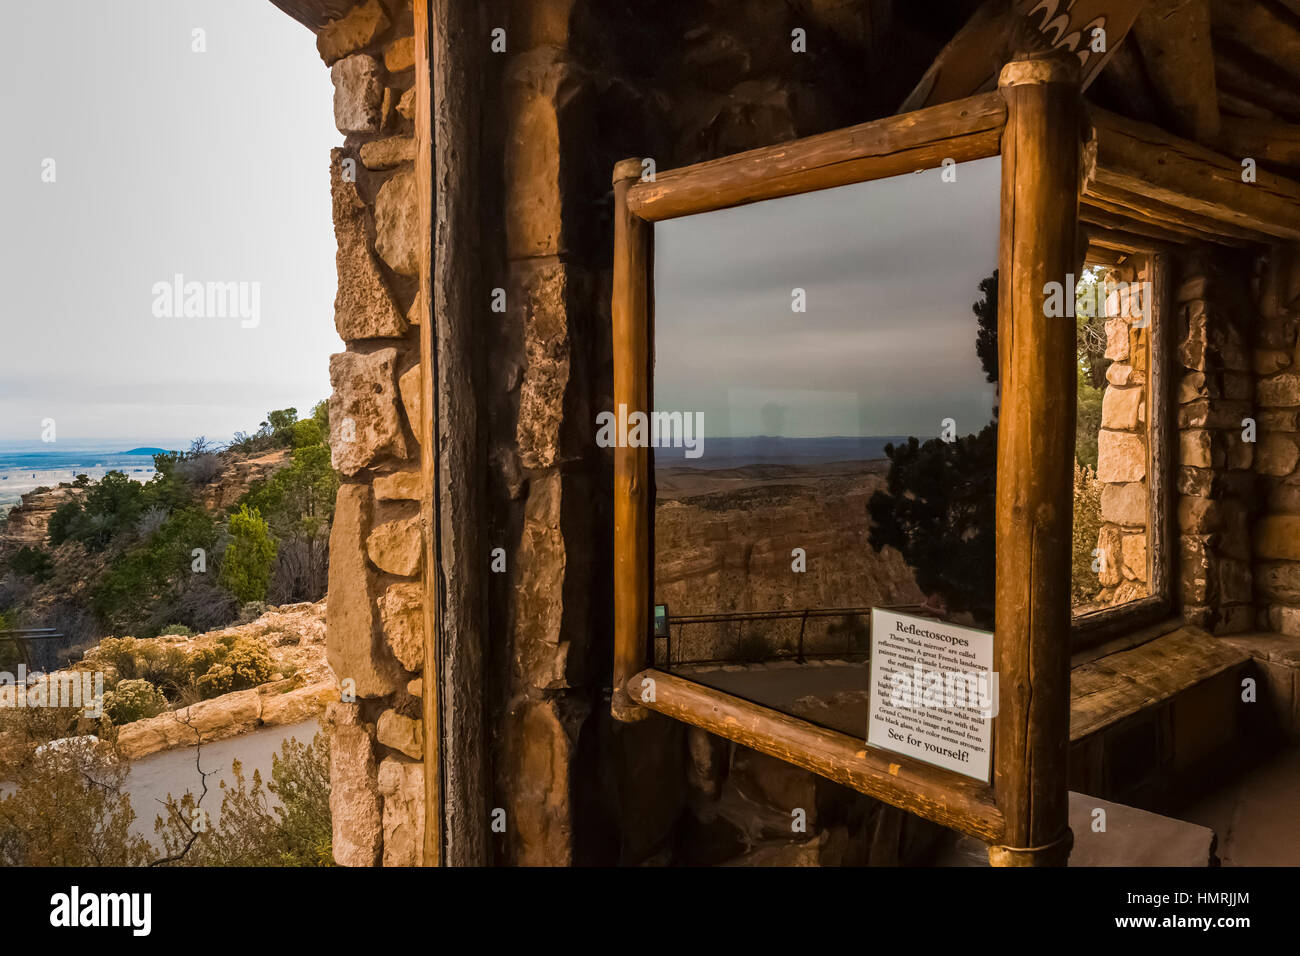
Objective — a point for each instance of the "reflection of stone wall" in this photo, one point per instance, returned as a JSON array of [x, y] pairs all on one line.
[[1214, 482], [374, 611], [1122, 446]]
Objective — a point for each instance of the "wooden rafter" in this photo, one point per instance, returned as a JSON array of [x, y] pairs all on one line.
[[1269, 141], [1095, 216], [1271, 33], [1124, 241], [1250, 81], [1143, 166], [1174, 36]]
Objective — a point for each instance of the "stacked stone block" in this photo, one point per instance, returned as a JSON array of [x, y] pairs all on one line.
[[1277, 368], [374, 612], [1215, 484], [1123, 444]]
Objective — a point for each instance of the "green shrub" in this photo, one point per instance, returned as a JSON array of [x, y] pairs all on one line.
[[247, 664], [110, 507], [1084, 583], [151, 575], [168, 667], [32, 562], [133, 700], [246, 567], [307, 432], [178, 630], [64, 803], [285, 822]]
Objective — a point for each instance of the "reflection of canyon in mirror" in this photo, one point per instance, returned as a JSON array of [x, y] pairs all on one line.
[[839, 351]]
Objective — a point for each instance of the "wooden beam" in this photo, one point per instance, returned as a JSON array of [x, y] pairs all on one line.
[[1096, 256], [1266, 140], [1146, 160], [1136, 227], [1126, 242], [431, 677], [1234, 105], [1174, 36], [1237, 72], [1125, 80], [964, 130], [452, 454], [1146, 210], [1259, 27], [632, 316], [314, 14], [1034, 518], [927, 791]]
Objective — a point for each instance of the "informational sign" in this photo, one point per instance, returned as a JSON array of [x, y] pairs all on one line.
[[933, 692], [971, 62]]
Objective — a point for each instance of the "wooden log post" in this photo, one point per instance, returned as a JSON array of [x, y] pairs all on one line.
[[1040, 184], [449, 98], [431, 683], [633, 489]]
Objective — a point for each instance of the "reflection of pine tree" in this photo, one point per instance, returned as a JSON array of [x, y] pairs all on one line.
[[939, 504]]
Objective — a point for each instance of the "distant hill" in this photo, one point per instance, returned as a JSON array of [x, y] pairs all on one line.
[[144, 451]]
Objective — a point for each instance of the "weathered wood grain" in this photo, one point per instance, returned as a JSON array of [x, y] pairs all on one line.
[[963, 130], [1174, 36], [1034, 517], [930, 792], [451, 359], [1144, 159], [632, 318]]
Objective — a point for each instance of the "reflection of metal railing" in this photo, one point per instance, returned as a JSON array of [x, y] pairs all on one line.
[[756, 636], [19, 639]]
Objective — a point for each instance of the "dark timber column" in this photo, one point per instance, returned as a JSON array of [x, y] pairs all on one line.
[[630, 311], [450, 45], [1036, 354]]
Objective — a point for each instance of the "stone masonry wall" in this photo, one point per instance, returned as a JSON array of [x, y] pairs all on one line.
[[1215, 484], [1277, 459], [374, 611], [583, 84], [1123, 444]]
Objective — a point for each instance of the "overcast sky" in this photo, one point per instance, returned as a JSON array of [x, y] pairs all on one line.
[[890, 270], [213, 165]]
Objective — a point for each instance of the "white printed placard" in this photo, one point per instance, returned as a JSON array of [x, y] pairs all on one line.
[[933, 691]]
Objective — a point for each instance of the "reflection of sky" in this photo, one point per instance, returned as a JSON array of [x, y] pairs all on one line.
[[887, 344]]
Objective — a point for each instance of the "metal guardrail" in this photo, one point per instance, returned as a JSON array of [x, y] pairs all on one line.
[[759, 636], [20, 638]]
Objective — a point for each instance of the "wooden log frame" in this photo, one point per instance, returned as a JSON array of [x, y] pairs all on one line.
[[1168, 179], [1097, 627], [962, 130], [449, 81], [431, 686], [1040, 107], [946, 798], [1034, 506], [632, 311]]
